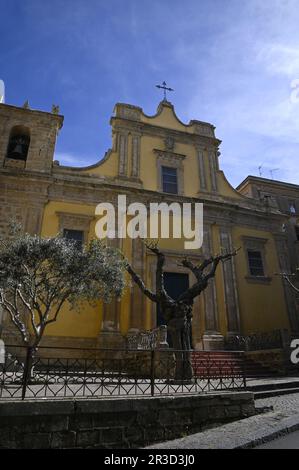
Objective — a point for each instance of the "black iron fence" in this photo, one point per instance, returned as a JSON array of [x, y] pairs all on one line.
[[256, 342], [65, 373]]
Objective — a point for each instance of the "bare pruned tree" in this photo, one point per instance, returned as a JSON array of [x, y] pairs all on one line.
[[291, 278], [178, 312]]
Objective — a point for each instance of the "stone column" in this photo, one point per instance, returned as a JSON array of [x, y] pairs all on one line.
[[230, 287], [111, 320], [290, 298], [211, 321], [212, 339], [111, 316], [110, 336], [198, 312], [137, 318]]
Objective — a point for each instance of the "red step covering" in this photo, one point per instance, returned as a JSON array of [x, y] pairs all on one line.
[[221, 364]]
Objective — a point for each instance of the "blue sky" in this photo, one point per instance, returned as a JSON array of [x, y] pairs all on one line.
[[231, 63]]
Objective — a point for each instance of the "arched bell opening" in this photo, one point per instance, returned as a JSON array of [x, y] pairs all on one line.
[[18, 145]]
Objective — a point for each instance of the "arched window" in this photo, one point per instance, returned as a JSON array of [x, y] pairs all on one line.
[[19, 141]]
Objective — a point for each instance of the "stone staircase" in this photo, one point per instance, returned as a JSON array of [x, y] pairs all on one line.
[[217, 364]]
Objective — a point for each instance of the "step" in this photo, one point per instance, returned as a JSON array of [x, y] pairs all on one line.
[[217, 364], [274, 393], [209, 364], [274, 386], [217, 353]]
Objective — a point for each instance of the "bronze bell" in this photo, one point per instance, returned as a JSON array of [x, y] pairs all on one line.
[[17, 152]]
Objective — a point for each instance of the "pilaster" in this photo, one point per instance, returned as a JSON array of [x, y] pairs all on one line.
[[213, 169], [211, 339], [137, 319], [135, 157], [123, 153], [210, 299], [230, 286], [201, 168]]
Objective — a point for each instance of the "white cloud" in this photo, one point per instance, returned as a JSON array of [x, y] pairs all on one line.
[[242, 83], [2, 91], [70, 159], [280, 59]]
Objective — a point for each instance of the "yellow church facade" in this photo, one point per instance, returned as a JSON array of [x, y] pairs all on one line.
[[153, 159]]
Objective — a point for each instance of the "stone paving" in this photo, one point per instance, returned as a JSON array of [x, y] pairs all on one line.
[[289, 441], [281, 403], [248, 432]]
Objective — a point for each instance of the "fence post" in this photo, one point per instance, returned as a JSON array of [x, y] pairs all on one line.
[[244, 370], [285, 342], [27, 368], [152, 372]]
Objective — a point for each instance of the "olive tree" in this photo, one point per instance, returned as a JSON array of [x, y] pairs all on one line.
[[39, 275]]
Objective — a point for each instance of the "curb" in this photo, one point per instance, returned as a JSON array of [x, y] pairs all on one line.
[[270, 437], [242, 434], [274, 393]]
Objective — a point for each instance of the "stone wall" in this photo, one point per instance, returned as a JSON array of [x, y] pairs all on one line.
[[116, 423], [272, 359], [141, 364]]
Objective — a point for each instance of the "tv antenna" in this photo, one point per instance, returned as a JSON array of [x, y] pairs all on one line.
[[260, 169], [272, 171]]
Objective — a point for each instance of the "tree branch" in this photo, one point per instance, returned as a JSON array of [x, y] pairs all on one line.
[[137, 279], [217, 260], [287, 278], [201, 279], [30, 309], [196, 270], [160, 289], [15, 317], [57, 310]]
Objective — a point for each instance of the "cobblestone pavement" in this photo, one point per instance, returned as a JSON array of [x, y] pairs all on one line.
[[290, 441], [248, 432], [282, 402]]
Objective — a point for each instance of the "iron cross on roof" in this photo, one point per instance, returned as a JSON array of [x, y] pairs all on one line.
[[164, 88]]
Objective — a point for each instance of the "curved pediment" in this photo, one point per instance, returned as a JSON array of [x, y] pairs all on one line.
[[165, 117]]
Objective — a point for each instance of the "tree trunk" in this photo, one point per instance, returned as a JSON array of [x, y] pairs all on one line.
[[179, 327], [30, 361]]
